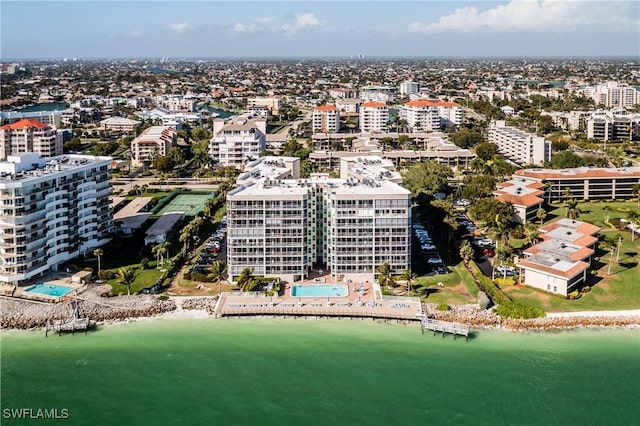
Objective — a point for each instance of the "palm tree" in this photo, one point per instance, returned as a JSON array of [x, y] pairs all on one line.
[[217, 272], [541, 214], [126, 276], [618, 239], [568, 195], [573, 212], [636, 192], [245, 279], [532, 233], [633, 217], [466, 251], [609, 243], [548, 188], [385, 277], [409, 276], [155, 250], [607, 213], [98, 253]]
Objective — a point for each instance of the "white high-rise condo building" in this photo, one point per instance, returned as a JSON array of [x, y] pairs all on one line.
[[326, 119], [238, 140], [347, 226], [408, 88], [518, 146], [428, 114], [29, 136], [51, 210], [374, 117], [612, 95]]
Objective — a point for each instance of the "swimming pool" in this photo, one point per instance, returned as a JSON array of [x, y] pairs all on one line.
[[51, 290], [324, 290]]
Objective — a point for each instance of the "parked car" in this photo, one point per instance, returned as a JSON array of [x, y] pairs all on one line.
[[506, 270], [442, 270], [484, 242], [489, 252], [428, 247], [434, 260]]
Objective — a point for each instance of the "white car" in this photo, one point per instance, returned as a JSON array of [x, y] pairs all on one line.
[[434, 260]]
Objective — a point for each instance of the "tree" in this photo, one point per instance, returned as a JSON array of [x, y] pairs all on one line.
[[466, 251], [428, 177], [245, 279], [385, 277], [541, 215], [633, 217], [98, 253], [217, 272], [636, 192], [573, 212], [609, 243], [466, 138], [486, 150], [532, 233], [126, 276], [164, 164], [607, 213], [489, 210], [409, 276], [566, 160]]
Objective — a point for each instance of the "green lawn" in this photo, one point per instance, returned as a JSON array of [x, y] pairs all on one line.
[[454, 285], [619, 290], [144, 279]]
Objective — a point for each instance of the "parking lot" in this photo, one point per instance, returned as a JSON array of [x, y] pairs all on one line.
[[214, 249], [428, 251], [483, 248]]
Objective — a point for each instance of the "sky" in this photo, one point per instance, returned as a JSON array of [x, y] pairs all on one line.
[[251, 29]]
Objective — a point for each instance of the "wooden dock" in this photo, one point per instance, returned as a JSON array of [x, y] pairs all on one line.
[[74, 322], [444, 327]]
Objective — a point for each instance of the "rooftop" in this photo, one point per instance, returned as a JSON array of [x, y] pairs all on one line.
[[24, 124]]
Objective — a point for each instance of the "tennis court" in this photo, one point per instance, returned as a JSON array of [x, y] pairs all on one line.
[[189, 204]]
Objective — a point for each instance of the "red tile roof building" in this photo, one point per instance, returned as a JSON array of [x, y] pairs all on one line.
[[585, 183], [431, 114], [29, 136], [560, 262], [326, 119], [374, 117]]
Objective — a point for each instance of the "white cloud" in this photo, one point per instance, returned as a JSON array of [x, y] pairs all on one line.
[[244, 28], [544, 15], [264, 19], [136, 33], [304, 21], [178, 28]]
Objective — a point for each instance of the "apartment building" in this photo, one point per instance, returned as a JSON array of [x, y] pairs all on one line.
[[349, 106], [585, 183], [347, 226], [119, 124], [378, 93], [421, 115], [524, 194], [428, 114], [238, 140], [177, 104], [613, 125], [29, 136], [51, 210], [560, 262], [153, 142], [409, 87], [518, 146], [374, 117], [613, 95], [272, 103], [341, 93], [326, 118]]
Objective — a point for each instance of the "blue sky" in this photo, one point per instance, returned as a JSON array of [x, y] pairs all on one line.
[[113, 29]]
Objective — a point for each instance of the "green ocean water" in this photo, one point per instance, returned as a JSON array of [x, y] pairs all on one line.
[[321, 372]]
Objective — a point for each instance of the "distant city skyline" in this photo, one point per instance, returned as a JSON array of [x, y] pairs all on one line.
[[278, 29]]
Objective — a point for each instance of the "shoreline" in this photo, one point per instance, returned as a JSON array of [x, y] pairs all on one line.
[[20, 314]]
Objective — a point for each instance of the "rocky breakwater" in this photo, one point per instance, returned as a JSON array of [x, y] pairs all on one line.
[[24, 314], [474, 316], [200, 304]]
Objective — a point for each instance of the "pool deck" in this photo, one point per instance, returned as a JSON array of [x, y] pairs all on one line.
[[366, 303], [58, 279]]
